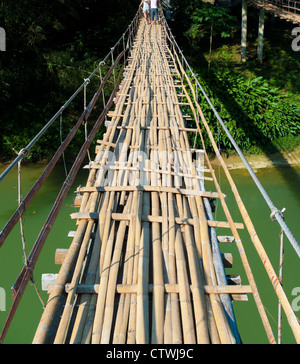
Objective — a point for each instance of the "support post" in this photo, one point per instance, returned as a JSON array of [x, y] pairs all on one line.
[[2, 40], [244, 31], [261, 27]]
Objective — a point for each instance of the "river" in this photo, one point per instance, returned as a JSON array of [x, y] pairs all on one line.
[[282, 184]]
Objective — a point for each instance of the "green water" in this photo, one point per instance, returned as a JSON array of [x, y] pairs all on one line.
[[282, 185], [11, 257]]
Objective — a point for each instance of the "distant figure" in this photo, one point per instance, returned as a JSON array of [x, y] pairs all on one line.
[[154, 11], [145, 4]]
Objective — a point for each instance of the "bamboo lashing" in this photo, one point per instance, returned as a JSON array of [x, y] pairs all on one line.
[[144, 269]]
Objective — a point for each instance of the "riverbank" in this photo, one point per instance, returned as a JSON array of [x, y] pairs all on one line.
[[233, 162], [260, 161]]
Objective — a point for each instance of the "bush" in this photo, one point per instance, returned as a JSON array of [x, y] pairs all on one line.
[[255, 113]]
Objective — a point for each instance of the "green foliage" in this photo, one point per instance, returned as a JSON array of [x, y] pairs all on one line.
[[255, 113], [209, 18], [51, 47], [259, 115]]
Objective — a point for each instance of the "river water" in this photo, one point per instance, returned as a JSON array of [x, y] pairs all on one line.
[[282, 184]]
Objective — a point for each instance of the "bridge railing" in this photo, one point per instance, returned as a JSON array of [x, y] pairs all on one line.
[[124, 43], [275, 212], [287, 5], [29, 265], [189, 76]]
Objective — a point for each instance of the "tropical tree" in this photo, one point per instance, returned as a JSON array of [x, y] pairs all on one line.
[[212, 20]]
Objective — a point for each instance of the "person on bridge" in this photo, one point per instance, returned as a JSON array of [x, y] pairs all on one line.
[[154, 11], [145, 4]]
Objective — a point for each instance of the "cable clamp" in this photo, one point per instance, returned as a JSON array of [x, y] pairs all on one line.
[[24, 152], [275, 212]]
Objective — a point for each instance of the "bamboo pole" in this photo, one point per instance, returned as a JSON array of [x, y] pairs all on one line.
[[142, 328], [55, 296], [175, 237], [197, 283], [65, 319], [111, 287], [184, 292], [254, 237], [86, 306], [175, 315], [143, 325], [158, 279]]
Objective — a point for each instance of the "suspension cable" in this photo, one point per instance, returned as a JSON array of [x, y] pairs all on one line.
[[22, 232]]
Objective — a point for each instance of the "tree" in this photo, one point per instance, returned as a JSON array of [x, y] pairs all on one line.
[[212, 20], [51, 46]]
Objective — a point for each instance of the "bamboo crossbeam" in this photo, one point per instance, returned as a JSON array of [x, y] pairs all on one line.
[[168, 288], [160, 189], [179, 174], [154, 219]]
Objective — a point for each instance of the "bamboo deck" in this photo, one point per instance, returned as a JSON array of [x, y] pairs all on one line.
[[148, 267]]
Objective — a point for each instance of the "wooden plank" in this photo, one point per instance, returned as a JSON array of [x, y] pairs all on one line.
[[48, 281], [60, 255]]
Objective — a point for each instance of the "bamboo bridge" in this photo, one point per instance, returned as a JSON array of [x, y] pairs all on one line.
[[145, 265]]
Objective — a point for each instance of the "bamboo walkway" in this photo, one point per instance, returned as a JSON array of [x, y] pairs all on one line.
[[288, 10], [147, 266]]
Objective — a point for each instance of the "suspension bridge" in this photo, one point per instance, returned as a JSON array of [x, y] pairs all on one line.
[[145, 265]]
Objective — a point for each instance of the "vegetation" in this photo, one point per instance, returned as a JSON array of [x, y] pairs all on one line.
[[259, 103], [210, 21], [53, 45]]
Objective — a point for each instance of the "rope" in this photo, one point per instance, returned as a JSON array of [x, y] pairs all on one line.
[[112, 62], [25, 256], [86, 82], [61, 141], [101, 79]]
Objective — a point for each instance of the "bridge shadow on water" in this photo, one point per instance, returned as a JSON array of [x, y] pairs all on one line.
[[289, 174]]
